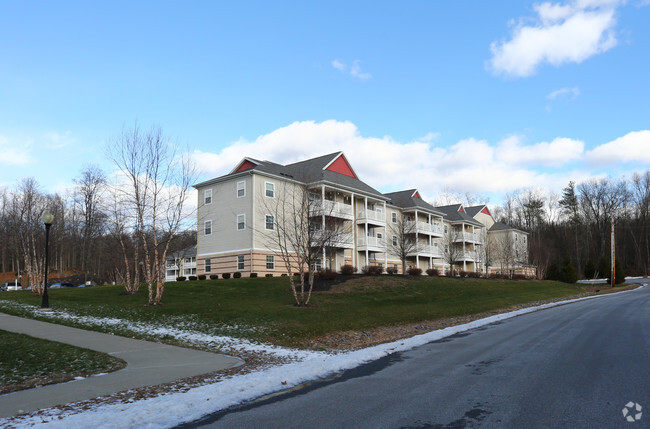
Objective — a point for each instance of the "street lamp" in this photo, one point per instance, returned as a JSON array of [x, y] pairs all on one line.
[[47, 219]]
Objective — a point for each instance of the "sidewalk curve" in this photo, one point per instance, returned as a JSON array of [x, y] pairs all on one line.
[[148, 364]]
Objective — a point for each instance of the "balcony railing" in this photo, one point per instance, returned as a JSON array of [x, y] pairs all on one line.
[[374, 242], [340, 240], [423, 227], [474, 237], [372, 215], [332, 208], [427, 250]]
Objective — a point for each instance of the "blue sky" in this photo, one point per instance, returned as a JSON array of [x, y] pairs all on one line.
[[482, 97]]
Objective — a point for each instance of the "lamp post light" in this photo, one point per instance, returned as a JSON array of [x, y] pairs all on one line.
[[47, 219]]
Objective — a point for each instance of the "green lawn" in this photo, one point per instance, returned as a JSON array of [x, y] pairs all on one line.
[[28, 362], [262, 308]]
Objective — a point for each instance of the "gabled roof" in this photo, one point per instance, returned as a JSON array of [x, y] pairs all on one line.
[[474, 210], [500, 226], [333, 168], [410, 199], [456, 213], [184, 253]]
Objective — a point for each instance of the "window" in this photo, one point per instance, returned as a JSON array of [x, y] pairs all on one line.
[[379, 235], [241, 222], [241, 189], [207, 266], [381, 266], [207, 196], [395, 267], [269, 222], [270, 262], [446, 229], [207, 227], [240, 262], [269, 189], [394, 240], [393, 217], [378, 210]]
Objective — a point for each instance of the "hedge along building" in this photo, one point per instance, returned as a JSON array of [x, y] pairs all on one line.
[[246, 216]]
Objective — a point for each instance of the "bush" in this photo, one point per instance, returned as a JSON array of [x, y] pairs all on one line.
[[237, 275], [432, 272], [268, 275], [462, 273], [202, 277], [372, 270], [253, 275], [348, 270], [518, 277], [414, 272], [192, 278], [283, 275], [214, 276], [391, 270], [326, 274], [226, 276], [568, 272], [181, 278], [473, 274]]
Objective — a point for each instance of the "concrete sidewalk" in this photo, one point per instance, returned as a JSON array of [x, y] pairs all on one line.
[[148, 364]]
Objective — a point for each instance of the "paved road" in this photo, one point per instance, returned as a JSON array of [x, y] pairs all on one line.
[[574, 366], [148, 364]]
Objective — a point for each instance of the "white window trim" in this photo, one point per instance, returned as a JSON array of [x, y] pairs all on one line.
[[237, 222], [243, 182], [272, 184], [394, 240], [243, 262], [393, 217], [207, 193], [272, 262], [205, 222], [207, 267], [265, 222]]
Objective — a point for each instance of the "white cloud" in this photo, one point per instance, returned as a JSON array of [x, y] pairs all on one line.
[[13, 152], [562, 33], [572, 93], [632, 147], [469, 165], [55, 140], [355, 69]]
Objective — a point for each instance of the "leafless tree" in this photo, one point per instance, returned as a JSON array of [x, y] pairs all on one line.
[[452, 251], [401, 241], [297, 235], [89, 187], [159, 180]]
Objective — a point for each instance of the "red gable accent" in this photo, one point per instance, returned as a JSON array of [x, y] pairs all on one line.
[[461, 209], [416, 195], [486, 211], [246, 165], [341, 166]]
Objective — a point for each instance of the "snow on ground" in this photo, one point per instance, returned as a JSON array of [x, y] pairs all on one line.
[[175, 408]]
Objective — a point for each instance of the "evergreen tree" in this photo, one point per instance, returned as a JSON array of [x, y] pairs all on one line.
[[568, 272]]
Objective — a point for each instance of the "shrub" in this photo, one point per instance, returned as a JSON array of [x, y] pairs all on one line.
[[269, 275], [237, 275], [214, 276], [202, 277], [473, 274], [372, 270], [253, 275], [518, 277], [619, 274], [462, 273], [226, 276], [568, 272], [181, 278], [390, 270], [192, 278], [414, 272], [432, 272], [348, 270], [283, 275], [326, 274]]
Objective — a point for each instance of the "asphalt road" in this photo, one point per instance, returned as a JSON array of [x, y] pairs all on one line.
[[573, 366]]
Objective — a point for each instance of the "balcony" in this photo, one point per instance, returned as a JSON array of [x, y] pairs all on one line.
[[471, 237], [338, 240], [332, 208], [371, 216], [428, 251], [423, 228], [372, 244]]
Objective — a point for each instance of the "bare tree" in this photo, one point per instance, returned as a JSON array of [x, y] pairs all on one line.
[[401, 242], [296, 234], [89, 187], [159, 181], [452, 251]]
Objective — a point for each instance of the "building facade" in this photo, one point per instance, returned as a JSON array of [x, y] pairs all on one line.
[[247, 217]]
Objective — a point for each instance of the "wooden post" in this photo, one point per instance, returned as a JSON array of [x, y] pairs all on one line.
[[613, 277]]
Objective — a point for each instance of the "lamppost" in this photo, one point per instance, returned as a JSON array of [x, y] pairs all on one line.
[[47, 219]]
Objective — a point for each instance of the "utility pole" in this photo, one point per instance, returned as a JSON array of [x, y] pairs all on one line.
[[613, 277]]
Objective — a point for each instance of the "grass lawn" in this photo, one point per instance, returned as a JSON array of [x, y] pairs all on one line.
[[262, 308], [28, 362]]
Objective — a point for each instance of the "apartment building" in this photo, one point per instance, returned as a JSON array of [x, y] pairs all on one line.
[[506, 246], [180, 264], [243, 214]]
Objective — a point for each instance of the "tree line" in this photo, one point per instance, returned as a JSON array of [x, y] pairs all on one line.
[[107, 230]]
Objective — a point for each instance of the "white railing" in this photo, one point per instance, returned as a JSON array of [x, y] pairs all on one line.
[[372, 215], [475, 237], [424, 227], [344, 240], [332, 208], [427, 250], [371, 242]]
